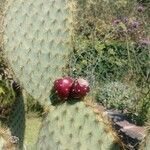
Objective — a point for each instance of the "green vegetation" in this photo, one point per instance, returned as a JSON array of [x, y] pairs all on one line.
[[111, 46]]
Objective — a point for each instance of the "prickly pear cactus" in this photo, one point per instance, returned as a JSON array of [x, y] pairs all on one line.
[[36, 42], [76, 126]]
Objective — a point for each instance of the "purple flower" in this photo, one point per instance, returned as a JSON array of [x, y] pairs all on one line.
[[116, 21], [135, 24], [145, 41], [140, 8]]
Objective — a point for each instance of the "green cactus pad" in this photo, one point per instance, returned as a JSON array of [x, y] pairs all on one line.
[[37, 42], [76, 127]]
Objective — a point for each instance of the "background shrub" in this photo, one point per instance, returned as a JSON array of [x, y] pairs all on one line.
[[111, 46], [7, 94], [119, 96]]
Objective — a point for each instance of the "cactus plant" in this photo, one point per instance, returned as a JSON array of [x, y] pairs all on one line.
[[36, 42], [76, 126]]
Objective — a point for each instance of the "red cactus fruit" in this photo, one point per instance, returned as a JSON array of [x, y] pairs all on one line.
[[80, 88], [63, 86]]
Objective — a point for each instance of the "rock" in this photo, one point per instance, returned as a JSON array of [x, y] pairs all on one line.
[[131, 130], [131, 134]]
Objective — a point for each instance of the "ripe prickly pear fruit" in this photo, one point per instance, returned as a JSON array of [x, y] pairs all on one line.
[[80, 88], [63, 86]]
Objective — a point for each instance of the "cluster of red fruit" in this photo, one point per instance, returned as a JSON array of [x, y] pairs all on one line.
[[68, 87]]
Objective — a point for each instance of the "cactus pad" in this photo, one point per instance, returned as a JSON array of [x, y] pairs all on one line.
[[76, 127], [37, 42]]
